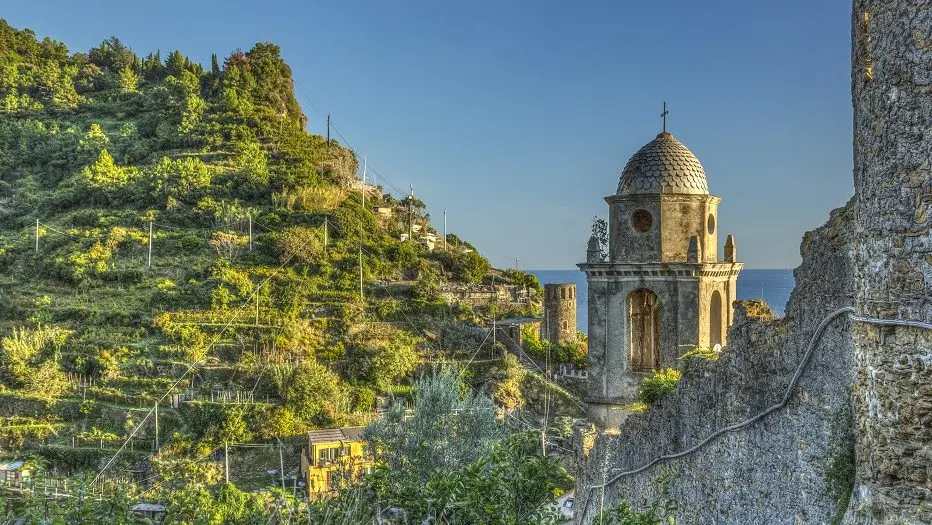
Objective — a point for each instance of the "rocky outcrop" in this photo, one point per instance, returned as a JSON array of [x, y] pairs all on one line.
[[794, 466]]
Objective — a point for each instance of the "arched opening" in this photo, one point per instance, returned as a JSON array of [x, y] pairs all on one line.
[[715, 318], [563, 293], [643, 322], [565, 325]]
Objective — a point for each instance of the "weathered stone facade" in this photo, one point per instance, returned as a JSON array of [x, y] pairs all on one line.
[[772, 472], [560, 312], [892, 95], [662, 291]]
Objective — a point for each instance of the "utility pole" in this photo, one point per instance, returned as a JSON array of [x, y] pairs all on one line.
[[326, 221], [250, 232], [494, 313], [37, 236], [226, 461], [328, 129], [281, 464], [156, 427], [364, 181], [149, 264], [444, 230], [361, 298], [410, 200], [257, 307], [543, 428]]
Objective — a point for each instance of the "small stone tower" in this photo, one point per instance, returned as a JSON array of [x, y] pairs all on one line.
[[560, 313]]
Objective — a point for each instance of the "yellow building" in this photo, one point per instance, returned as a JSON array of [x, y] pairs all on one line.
[[333, 458]]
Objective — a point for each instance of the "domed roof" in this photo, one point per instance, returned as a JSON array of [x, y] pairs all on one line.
[[663, 165]]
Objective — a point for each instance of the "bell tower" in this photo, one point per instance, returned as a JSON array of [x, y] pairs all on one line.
[[662, 290]]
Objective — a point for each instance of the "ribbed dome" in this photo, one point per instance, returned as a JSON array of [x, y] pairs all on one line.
[[663, 165]]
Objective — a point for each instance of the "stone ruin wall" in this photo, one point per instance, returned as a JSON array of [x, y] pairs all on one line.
[[892, 96], [774, 471]]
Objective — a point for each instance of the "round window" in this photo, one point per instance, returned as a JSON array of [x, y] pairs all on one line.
[[711, 224], [641, 220]]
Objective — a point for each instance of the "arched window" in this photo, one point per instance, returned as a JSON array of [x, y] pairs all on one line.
[[564, 325], [643, 326], [715, 319], [563, 293]]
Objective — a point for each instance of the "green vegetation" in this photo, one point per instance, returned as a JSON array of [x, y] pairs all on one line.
[[451, 461], [556, 353], [171, 231], [659, 384], [700, 353], [623, 514]]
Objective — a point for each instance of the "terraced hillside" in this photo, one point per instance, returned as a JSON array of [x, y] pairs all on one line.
[[171, 234]]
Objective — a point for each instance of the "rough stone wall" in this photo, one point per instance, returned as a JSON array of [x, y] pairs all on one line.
[[627, 245], [707, 286], [778, 470], [683, 216], [892, 96]]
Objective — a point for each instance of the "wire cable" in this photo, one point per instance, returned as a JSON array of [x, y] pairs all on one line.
[[247, 302]]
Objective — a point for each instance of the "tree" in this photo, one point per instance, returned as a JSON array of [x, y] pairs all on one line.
[[252, 163], [93, 142], [466, 266], [182, 180], [112, 54], [129, 80], [174, 64], [104, 173], [228, 244], [382, 355], [312, 392], [301, 244], [26, 349], [447, 430], [511, 484]]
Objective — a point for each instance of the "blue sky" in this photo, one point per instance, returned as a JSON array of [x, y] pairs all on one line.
[[516, 117]]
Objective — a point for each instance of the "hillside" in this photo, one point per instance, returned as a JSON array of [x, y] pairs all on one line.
[[171, 233]]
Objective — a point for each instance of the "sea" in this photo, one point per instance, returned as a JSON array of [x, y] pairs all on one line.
[[773, 285]]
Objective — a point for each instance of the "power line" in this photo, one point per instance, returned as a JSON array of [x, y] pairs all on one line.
[[247, 302]]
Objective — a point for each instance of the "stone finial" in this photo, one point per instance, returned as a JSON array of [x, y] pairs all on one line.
[[694, 252], [593, 251], [731, 252]]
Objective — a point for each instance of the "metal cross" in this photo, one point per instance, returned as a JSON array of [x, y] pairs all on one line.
[[664, 116]]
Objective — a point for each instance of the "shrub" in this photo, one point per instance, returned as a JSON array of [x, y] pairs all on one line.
[[300, 243], [310, 198], [659, 384], [698, 353], [623, 514], [311, 392]]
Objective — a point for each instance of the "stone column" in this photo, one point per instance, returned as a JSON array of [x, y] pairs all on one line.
[[892, 96]]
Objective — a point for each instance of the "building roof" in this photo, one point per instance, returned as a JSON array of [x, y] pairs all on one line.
[[149, 507], [663, 165], [10, 466], [331, 435]]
